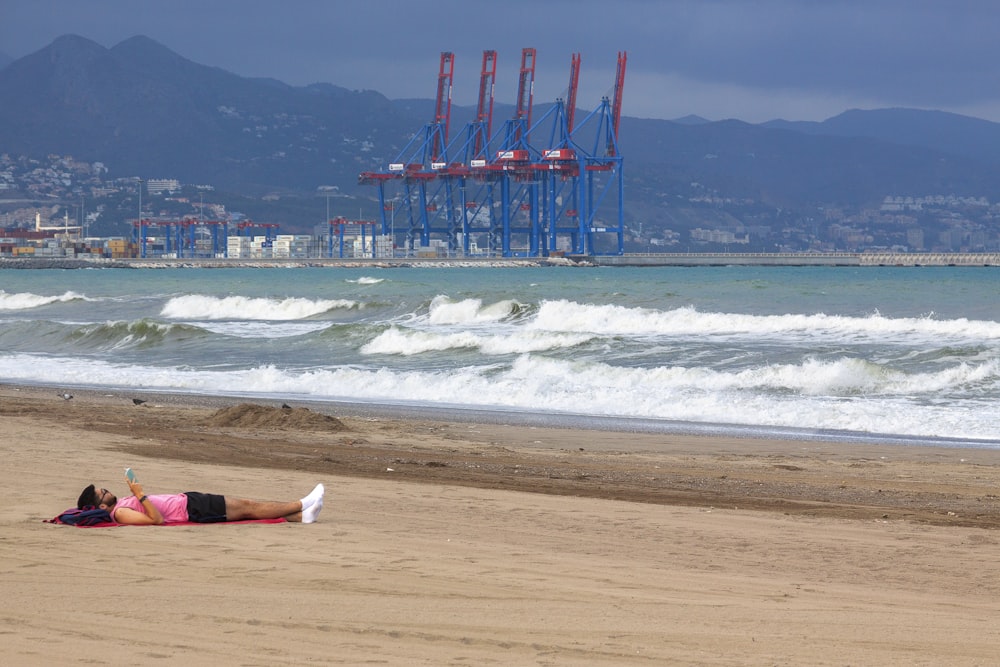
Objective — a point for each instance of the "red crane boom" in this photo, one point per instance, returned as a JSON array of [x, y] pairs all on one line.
[[616, 107], [484, 111], [442, 107], [574, 81], [525, 88]]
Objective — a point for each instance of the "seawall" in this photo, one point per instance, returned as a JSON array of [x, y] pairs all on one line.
[[632, 259], [795, 259]]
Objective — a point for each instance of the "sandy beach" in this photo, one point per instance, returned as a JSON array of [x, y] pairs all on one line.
[[457, 543]]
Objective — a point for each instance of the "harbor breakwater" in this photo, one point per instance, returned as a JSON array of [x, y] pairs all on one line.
[[629, 259]]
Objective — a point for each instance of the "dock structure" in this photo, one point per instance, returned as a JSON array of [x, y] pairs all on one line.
[[534, 188], [796, 259], [381, 258]]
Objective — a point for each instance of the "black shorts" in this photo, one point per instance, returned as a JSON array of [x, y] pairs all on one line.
[[205, 507]]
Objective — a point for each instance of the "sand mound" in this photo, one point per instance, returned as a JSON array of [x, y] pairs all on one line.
[[248, 415]]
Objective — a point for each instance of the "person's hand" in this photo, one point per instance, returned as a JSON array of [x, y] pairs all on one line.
[[134, 487]]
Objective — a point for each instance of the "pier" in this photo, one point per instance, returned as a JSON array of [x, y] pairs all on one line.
[[634, 259], [795, 259]]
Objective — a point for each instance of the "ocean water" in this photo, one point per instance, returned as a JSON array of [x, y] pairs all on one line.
[[876, 352]]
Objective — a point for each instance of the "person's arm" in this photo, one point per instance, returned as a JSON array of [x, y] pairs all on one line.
[[149, 516], [132, 518]]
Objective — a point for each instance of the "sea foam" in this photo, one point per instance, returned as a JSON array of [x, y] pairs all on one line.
[[841, 395], [443, 310], [411, 342], [199, 307], [563, 315], [27, 300]]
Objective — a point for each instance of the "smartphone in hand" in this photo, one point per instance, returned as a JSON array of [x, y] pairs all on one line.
[[130, 474]]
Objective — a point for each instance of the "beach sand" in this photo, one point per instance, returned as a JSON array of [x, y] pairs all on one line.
[[457, 543]]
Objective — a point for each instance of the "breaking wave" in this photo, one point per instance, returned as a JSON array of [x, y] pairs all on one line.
[[563, 315], [409, 342], [444, 310], [198, 307], [140, 333], [845, 394], [27, 300]]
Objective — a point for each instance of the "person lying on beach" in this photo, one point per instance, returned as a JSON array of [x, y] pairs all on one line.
[[142, 510]]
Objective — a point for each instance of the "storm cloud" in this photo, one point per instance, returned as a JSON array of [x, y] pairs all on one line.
[[754, 60]]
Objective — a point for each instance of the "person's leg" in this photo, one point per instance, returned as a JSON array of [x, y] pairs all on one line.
[[241, 509], [305, 510]]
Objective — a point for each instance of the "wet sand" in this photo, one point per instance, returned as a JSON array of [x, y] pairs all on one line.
[[464, 543]]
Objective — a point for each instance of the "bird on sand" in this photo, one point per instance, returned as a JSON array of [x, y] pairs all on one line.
[[137, 401], [65, 397]]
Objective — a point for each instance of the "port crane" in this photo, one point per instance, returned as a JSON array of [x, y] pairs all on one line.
[[475, 194], [590, 162], [525, 200], [417, 164]]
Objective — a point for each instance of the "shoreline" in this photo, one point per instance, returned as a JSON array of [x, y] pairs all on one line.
[[445, 542], [853, 479], [521, 418]]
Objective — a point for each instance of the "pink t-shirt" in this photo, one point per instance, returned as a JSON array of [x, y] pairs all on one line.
[[172, 506]]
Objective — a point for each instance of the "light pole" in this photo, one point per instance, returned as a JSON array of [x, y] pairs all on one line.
[[140, 235], [392, 227]]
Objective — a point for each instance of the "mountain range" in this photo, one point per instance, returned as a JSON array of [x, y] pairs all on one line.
[[144, 110]]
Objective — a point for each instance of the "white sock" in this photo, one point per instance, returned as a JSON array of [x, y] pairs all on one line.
[[314, 495], [310, 514]]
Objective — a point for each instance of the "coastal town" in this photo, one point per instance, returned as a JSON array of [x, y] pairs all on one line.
[[63, 207]]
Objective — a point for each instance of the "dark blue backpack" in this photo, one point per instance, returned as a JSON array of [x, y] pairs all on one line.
[[88, 516]]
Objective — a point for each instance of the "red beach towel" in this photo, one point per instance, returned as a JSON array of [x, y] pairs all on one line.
[[90, 518]]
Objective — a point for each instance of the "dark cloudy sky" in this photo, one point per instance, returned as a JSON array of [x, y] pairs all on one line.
[[749, 59]]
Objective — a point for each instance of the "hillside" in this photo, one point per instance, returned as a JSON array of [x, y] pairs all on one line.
[[146, 111]]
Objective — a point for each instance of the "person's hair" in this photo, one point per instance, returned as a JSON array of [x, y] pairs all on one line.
[[88, 497]]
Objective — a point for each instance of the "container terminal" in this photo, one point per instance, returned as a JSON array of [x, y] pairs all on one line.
[[536, 191]]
